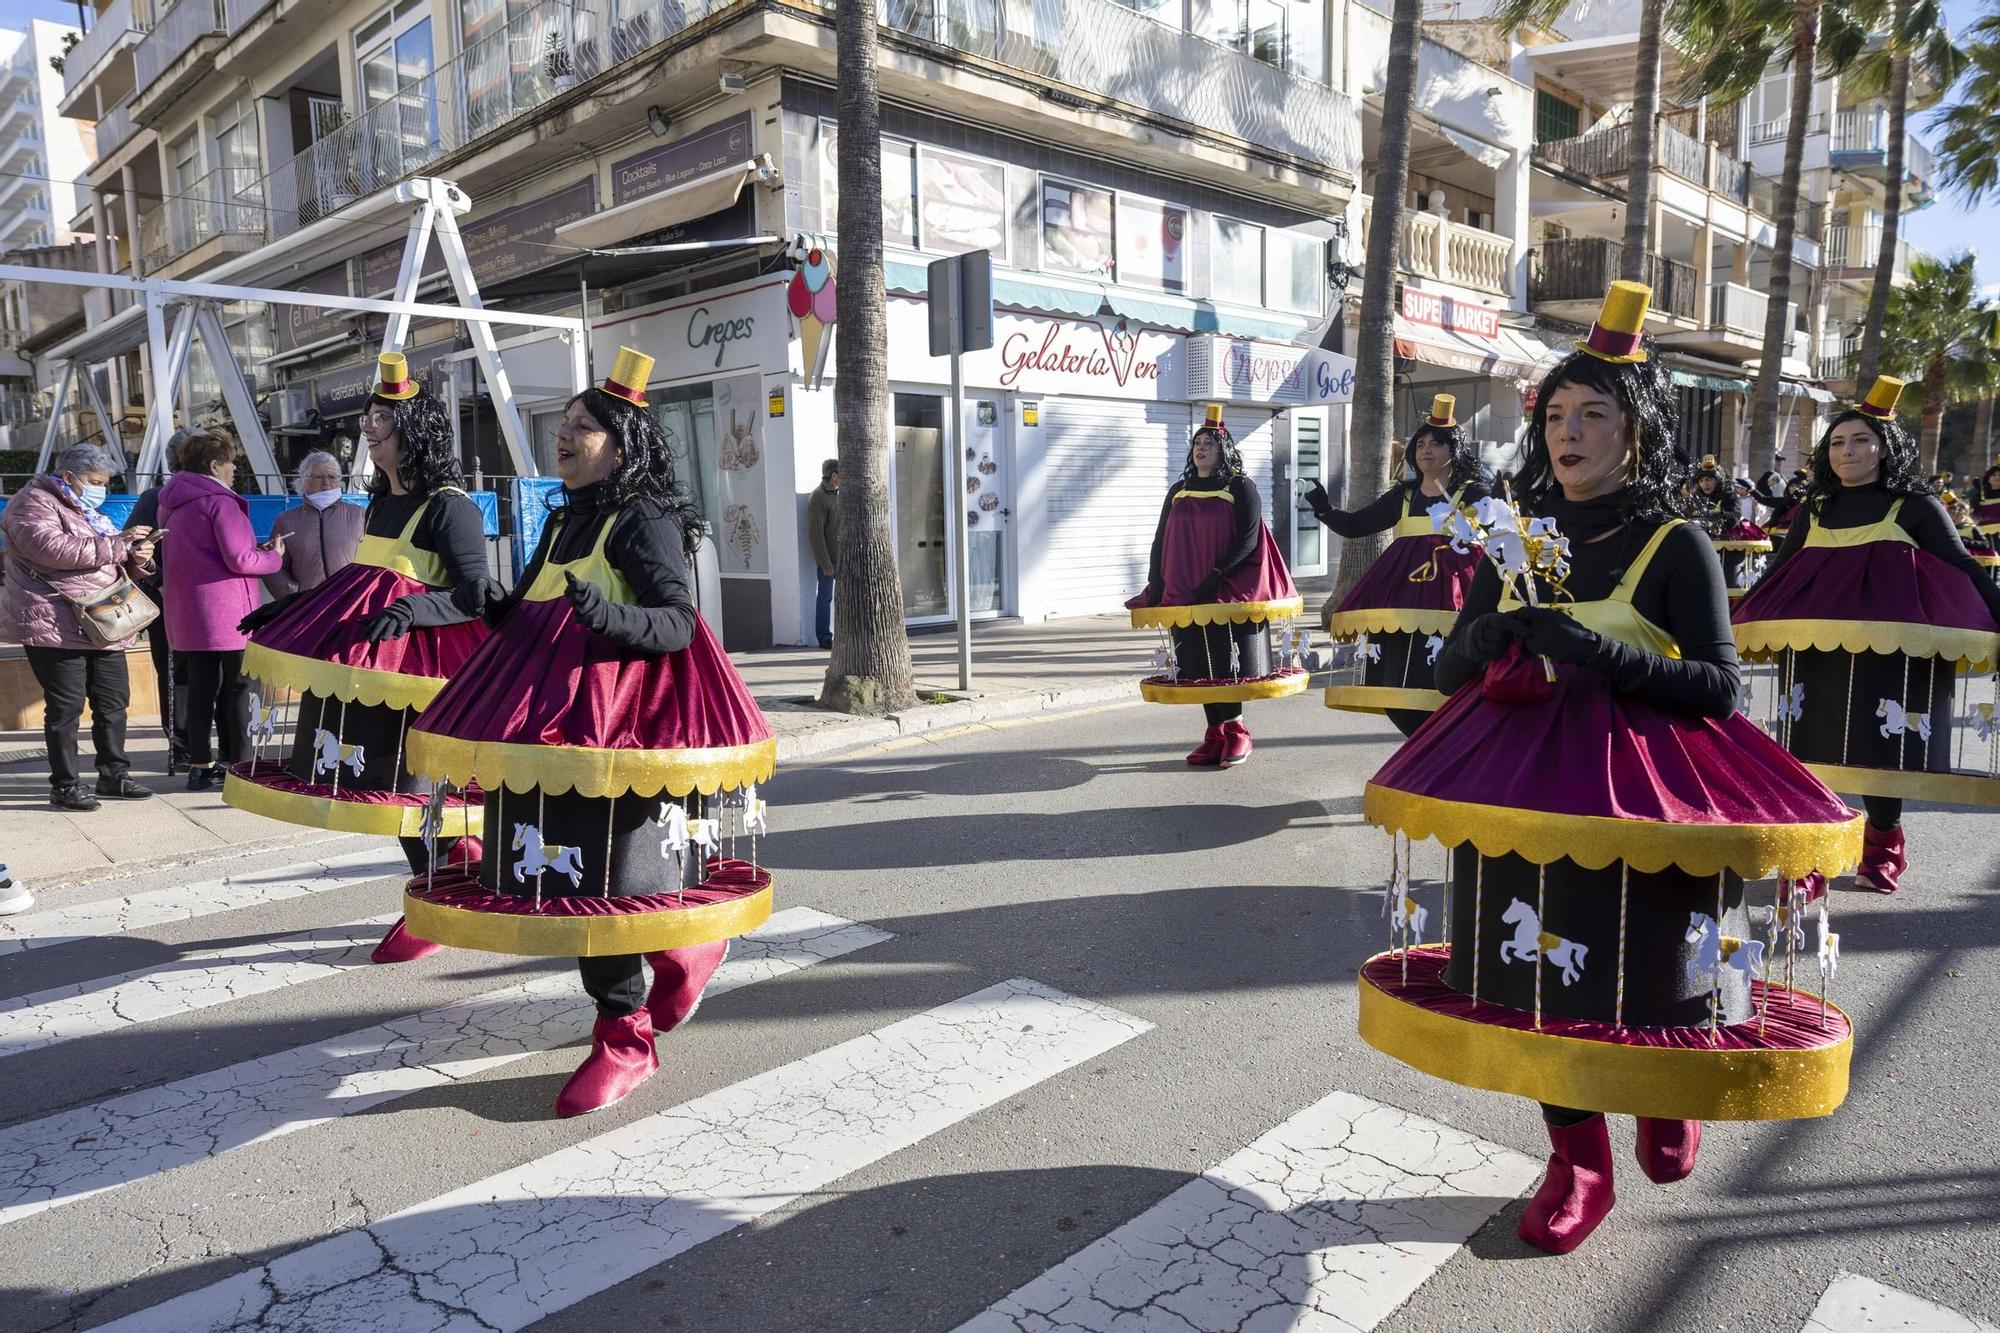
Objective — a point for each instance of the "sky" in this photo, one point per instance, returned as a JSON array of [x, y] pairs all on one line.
[[16, 13]]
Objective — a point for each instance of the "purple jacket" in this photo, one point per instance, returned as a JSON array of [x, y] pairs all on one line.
[[319, 543], [212, 563], [48, 534]]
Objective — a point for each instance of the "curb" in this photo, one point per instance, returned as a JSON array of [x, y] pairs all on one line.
[[824, 742]]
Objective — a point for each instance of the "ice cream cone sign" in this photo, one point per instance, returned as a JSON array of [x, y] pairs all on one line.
[[814, 300]]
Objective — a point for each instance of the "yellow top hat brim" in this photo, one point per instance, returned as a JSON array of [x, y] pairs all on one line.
[[392, 378], [1617, 335], [1883, 396]]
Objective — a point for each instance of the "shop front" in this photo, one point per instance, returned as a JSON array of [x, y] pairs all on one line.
[[1482, 355]]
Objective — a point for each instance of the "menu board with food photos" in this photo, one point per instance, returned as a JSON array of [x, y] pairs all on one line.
[[1152, 243], [1076, 229], [899, 186], [963, 203]]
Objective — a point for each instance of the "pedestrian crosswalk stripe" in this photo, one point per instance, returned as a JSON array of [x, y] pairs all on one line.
[[1333, 1218], [192, 981], [509, 1250], [72, 1155], [183, 902], [1853, 1304]]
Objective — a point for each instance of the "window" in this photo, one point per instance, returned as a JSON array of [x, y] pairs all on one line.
[[899, 186], [1555, 118], [1297, 273], [1152, 244], [1236, 266], [1076, 229], [392, 56], [234, 126], [184, 163], [1286, 33], [1160, 11]]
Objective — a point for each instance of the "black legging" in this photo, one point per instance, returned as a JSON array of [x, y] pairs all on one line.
[[1218, 714], [218, 698], [1884, 812]]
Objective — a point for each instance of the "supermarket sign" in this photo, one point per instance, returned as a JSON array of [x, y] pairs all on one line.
[[1441, 312]]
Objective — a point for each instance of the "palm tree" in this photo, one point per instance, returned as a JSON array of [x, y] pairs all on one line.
[[869, 671], [1970, 127], [1644, 126], [1939, 332], [1375, 350], [1916, 41]]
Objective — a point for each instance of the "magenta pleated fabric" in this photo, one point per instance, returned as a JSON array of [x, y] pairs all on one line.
[[276, 777], [326, 626], [1199, 532], [1791, 1022], [724, 880], [544, 678], [1586, 749], [1878, 581], [1387, 584], [1745, 531]]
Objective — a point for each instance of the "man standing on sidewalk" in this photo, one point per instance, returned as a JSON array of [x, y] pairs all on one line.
[[823, 532]]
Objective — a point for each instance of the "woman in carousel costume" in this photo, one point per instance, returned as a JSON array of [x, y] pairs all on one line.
[[1719, 510], [1985, 499], [1872, 607], [1783, 504], [1978, 544], [368, 649], [1216, 583], [597, 720], [1604, 804], [1406, 604]]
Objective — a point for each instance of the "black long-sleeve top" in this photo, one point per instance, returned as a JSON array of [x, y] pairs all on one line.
[[1723, 510], [452, 530], [1245, 503], [1405, 499], [645, 546], [1681, 591], [1922, 517]]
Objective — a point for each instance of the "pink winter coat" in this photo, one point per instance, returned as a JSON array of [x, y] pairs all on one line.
[[48, 533], [212, 563]]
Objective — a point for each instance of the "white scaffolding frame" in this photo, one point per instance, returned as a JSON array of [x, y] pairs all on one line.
[[193, 305]]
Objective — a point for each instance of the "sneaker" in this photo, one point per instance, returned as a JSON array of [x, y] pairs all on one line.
[[205, 777], [122, 788], [13, 897], [75, 796]]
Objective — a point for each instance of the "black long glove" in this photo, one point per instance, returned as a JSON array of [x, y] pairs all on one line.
[[1488, 638], [479, 597], [392, 622], [1558, 637], [1317, 499], [265, 614], [592, 607]]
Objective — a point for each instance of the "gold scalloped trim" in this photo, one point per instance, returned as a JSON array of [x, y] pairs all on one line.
[[1389, 620], [585, 936], [350, 684], [1911, 784], [1161, 692], [1760, 547], [330, 812], [1381, 698], [1976, 649], [1672, 1083], [1754, 851], [556, 769], [1215, 613]]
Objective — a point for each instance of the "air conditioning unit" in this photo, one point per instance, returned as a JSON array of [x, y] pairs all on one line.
[[290, 407]]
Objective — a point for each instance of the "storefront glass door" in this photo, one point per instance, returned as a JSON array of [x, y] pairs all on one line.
[[989, 503], [917, 482], [1308, 466]]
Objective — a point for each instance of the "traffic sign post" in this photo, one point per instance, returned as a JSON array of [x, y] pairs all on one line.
[[961, 313]]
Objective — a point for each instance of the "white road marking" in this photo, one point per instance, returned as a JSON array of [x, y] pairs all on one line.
[[192, 981], [1861, 1305], [1328, 1222], [184, 902], [507, 1251], [75, 1154]]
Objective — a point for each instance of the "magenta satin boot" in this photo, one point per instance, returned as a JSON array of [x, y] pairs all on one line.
[[1575, 1195], [1666, 1148], [1235, 743], [621, 1058], [400, 946], [679, 977], [1209, 753], [1883, 859]]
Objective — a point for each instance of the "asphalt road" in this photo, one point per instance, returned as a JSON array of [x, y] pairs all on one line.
[[874, 1133]]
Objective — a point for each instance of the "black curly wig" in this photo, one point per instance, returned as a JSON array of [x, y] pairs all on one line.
[[1232, 457], [1465, 469], [645, 454], [423, 433], [1899, 461], [1659, 485]]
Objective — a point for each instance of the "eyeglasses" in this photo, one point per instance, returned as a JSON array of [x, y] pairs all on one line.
[[379, 418]]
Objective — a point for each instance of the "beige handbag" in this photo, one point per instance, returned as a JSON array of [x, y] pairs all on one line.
[[109, 617]]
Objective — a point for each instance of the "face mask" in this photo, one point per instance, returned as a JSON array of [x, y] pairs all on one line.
[[91, 496], [322, 499]]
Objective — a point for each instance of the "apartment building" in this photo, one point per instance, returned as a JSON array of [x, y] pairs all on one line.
[[42, 152]]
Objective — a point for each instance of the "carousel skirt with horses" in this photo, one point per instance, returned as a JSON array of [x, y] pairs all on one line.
[[1596, 950], [1400, 614]]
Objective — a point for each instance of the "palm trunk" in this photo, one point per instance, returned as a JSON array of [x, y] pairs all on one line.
[[1931, 428], [1982, 435], [1645, 136], [869, 671], [1375, 350], [1892, 213], [1764, 402]]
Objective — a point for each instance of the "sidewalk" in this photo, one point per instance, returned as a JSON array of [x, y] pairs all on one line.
[[1017, 670]]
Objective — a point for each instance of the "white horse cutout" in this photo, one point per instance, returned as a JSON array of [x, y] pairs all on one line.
[[1413, 915], [1432, 647], [1714, 950], [1829, 949], [433, 818], [1531, 944], [1900, 722], [749, 807], [1452, 522], [1365, 651], [329, 754], [683, 832], [537, 856], [263, 720], [1792, 705], [1985, 721]]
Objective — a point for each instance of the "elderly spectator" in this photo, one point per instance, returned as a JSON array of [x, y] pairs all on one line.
[[213, 562], [60, 549], [320, 533]]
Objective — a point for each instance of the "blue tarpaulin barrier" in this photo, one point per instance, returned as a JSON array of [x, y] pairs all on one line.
[[532, 497], [264, 510]]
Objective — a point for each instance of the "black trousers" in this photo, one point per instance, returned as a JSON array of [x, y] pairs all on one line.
[[68, 676], [218, 699], [170, 680]]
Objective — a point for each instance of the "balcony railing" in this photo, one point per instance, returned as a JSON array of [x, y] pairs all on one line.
[[1740, 309], [1580, 268], [1852, 247], [1838, 357], [219, 204], [237, 14], [1864, 131], [116, 23], [114, 128], [172, 37], [1097, 46], [1770, 131], [1435, 247], [1607, 155]]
